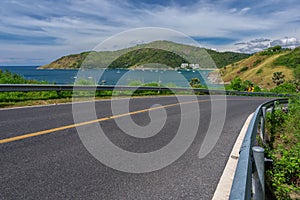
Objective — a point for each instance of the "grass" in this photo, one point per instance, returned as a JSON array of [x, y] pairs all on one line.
[[283, 127], [33, 102], [259, 73], [116, 95]]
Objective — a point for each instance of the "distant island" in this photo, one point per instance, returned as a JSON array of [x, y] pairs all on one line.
[[157, 54]]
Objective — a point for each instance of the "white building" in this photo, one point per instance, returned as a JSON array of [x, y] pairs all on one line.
[[184, 65], [196, 66], [190, 66]]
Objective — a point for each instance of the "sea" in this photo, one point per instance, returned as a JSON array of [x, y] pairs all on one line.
[[180, 78]]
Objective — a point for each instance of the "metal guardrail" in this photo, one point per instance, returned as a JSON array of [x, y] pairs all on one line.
[[248, 181], [45, 87]]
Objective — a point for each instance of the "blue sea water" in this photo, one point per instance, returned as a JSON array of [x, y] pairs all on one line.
[[109, 76], [51, 76]]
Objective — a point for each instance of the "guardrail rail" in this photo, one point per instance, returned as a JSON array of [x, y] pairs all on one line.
[[249, 182], [58, 88]]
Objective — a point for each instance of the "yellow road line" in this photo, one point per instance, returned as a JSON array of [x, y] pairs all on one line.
[[29, 135], [50, 130]]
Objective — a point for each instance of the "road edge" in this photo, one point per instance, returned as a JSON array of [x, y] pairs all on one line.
[[85, 101], [222, 191]]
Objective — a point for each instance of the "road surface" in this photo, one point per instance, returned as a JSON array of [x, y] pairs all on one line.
[[56, 165]]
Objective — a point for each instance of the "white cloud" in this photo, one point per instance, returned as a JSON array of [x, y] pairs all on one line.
[[286, 42], [244, 10], [260, 40], [262, 44], [81, 25]]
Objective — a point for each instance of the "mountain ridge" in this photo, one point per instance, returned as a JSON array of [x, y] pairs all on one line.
[[103, 59]]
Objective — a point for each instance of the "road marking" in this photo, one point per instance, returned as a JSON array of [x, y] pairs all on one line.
[[29, 135], [224, 186]]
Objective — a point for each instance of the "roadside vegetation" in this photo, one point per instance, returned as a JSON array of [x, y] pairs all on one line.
[[281, 85], [7, 77], [239, 85], [260, 67], [275, 70], [8, 99], [279, 70], [283, 128]]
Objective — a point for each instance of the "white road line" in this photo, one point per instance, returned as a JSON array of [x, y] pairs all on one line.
[[224, 186]]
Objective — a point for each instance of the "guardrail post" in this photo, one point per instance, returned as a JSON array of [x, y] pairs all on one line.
[[264, 109], [258, 175], [274, 106], [262, 124], [58, 92]]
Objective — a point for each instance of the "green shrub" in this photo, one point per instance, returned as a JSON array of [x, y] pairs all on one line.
[[195, 83], [297, 73], [273, 50], [239, 85], [285, 88], [259, 71], [256, 62], [284, 150], [7, 77], [292, 59], [244, 69], [278, 78]]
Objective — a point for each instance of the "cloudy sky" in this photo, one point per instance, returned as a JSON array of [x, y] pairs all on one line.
[[35, 32]]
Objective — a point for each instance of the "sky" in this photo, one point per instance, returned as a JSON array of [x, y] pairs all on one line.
[[36, 32]]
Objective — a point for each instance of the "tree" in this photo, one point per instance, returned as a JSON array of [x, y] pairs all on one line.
[[275, 48], [278, 78], [195, 83], [237, 84]]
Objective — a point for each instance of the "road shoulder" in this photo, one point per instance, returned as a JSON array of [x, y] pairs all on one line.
[[224, 186]]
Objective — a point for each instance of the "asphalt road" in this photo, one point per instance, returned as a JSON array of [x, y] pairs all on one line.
[[56, 165]]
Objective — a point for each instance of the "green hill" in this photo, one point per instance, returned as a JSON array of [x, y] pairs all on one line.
[[259, 68], [177, 52], [72, 61], [148, 57]]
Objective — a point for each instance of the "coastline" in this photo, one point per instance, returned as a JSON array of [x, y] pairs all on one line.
[[215, 78], [134, 68]]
